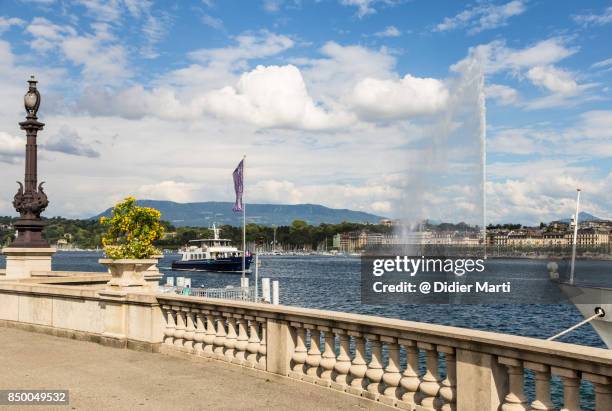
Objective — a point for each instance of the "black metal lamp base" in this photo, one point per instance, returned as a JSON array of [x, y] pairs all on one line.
[[30, 234]]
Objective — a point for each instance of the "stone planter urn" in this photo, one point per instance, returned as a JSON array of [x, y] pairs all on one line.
[[128, 274], [152, 275]]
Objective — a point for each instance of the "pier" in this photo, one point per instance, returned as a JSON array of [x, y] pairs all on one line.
[[342, 359]]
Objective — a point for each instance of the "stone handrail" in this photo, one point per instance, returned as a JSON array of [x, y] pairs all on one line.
[[380, 358]]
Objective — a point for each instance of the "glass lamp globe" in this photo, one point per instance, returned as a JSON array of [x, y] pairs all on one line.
[[30, 100]]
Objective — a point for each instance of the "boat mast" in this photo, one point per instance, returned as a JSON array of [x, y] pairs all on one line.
[[574, 241]]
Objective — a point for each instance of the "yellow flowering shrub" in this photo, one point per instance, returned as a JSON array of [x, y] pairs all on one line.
[[131, 231]]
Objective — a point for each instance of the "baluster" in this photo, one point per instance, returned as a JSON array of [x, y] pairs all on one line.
[[170, 325], [230, 338], [199, 333], [179, 332], [219, 336], [410, 377], [314, 354], [448, 392], [603, 390], [253, 343], [515, 399], [300, 352], [392, 375], [189, 331], [262, 345], [571, 388], [542, 400], [430, 383], [343, 362], [210, 335], [375, 368], [328, 359], [242, 343], [358, 365]]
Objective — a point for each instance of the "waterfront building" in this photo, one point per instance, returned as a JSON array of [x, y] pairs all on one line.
[[557, 234]]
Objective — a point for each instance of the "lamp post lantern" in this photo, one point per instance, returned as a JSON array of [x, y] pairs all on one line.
[[30, 199]]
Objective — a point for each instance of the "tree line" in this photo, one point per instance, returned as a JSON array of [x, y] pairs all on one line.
[[300, 234]]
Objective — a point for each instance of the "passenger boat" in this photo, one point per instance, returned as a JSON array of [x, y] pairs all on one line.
[[212, 254]]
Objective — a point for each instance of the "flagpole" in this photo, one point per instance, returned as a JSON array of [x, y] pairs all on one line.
[[243, 222]]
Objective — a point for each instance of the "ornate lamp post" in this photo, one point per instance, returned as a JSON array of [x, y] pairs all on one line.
[[30, 200]]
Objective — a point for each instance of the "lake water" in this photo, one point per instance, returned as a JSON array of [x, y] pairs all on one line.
[[333, 283]]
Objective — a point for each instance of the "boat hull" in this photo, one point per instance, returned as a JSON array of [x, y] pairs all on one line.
[[587, 300], [233, 265]]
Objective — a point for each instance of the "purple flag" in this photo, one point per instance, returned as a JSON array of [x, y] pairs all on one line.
[[238, 187]]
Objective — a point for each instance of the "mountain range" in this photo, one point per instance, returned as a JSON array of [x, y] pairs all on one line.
[[582, 217], [206, 213]]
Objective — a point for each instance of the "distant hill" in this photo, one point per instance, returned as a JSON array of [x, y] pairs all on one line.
[[206, 213], [582, 216]]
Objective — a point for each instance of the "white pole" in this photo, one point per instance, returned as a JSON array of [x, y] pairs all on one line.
[[256, 276], [243, 220], [275, 293], [265, 289], [575, 237]]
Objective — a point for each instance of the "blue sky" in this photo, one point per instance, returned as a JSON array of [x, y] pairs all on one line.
[[362, 104]]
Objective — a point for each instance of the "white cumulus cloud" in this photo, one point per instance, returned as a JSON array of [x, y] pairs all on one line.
[[503, 94], [406, 97], [12, 148], [168, 190], [553, 79], [272, 96], [389, 31], [484, 16]]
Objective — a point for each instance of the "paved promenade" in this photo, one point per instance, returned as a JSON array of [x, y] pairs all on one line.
[[108, 378]]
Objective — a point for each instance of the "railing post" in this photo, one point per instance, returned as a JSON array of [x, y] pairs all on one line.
[[300, 352], [392, 375], [343, 362], [410, 377], [542, 400], [262, 360], [358, 365], [328, 359], [375, 368], [280, 345], [314, 354], [571, 388], [448, 392], [210, 335], [189, 330], [170, 325], [199, 333], [603, 390], [230, 338], [242, 342], [515, 399], [482, 382], [430, 383], [254, 341], [179, 331]]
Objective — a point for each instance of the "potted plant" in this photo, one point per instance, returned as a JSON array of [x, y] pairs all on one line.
[[128, 244]]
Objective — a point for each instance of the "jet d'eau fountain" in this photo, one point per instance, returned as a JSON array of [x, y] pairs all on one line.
[[445, 174]]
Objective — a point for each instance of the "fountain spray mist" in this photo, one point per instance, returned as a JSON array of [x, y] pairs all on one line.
[[445, 174]]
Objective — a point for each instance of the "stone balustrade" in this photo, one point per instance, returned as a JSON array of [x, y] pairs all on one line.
[[408, 365], [213, 331]]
